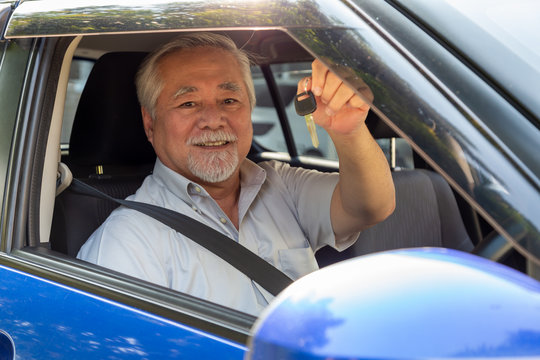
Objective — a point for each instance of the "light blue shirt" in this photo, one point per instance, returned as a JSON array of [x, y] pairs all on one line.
[[284, 217]]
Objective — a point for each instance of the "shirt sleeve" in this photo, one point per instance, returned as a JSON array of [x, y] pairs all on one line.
[[311, 192], [122, 244]]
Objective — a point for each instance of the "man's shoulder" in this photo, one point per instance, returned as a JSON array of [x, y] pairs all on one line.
[[123, 225], [276, 167], [123, 218], [286, 171], [273, 164]]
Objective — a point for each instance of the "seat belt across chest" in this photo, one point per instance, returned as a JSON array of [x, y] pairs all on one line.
[[244, 260]]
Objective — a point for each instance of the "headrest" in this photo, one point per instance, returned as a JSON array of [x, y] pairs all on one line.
[[108, 128]]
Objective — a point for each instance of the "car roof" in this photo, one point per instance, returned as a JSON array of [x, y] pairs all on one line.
[[51, 18]]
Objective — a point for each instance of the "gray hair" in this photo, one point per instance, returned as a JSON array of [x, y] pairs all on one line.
[[149, 82]]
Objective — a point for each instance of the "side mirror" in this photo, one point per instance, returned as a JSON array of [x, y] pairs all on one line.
[[7, 347], [405, 304]]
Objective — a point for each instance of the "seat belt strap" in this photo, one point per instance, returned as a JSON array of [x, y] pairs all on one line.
[[249, 263]]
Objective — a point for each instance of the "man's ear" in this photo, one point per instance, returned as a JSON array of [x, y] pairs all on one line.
[[148, 124]]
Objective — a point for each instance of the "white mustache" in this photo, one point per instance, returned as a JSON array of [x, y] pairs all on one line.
[[210, 138]]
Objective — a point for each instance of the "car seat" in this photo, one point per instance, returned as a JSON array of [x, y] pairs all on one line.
[[426, 214], [108, 149]]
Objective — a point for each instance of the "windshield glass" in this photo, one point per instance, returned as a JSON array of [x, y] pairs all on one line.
[[516, 24], [499, 39]]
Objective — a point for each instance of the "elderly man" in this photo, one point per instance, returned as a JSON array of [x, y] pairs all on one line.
[[196, 96]]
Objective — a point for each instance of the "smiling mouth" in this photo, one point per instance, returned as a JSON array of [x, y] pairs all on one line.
[[213, 139], [213, 143]]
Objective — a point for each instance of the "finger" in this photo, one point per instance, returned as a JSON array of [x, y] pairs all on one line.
[[318, 77], [331, 85], [341, 97], [358, 102], [303, 85]]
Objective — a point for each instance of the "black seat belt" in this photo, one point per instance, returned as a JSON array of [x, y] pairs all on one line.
[[256, 268]]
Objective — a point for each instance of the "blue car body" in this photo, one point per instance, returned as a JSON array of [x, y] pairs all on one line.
[[47, 320]]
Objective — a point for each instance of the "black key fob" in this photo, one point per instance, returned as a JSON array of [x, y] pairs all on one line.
[[305, 103]]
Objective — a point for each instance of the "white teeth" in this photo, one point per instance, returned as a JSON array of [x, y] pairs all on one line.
[[210, 139], [215, 143]]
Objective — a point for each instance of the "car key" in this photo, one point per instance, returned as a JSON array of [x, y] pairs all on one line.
[[305, 105]]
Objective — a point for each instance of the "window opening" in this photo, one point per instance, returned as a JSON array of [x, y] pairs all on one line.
[[78, 74]]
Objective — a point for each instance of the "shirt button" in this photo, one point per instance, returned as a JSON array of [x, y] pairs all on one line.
[[223, 220], [194, 207], [197, 189]]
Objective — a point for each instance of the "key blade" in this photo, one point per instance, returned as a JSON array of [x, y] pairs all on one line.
[[312, 130]]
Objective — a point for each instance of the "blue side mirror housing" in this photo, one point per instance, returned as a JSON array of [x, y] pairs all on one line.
[[405, 304]]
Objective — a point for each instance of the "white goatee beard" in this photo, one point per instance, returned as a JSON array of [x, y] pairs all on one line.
[[213, 166]]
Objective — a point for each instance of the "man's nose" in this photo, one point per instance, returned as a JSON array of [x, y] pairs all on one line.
[[211, 116]]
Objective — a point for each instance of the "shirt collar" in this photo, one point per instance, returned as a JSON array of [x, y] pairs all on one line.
[[252, 177], [251, 174], [175, 183]]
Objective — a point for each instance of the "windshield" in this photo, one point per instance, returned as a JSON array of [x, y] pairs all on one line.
[[515, 24], [499, 38]]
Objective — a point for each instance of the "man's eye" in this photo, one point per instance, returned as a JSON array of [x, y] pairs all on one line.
[[230, 101], [187, 104]]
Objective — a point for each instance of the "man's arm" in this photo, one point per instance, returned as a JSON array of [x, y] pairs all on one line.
[[365, 193]]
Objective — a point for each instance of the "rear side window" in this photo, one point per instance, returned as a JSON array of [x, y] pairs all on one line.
[[264, 114], [268, 131], [78, 74]]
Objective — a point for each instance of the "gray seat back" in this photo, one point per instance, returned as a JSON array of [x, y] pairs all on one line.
[[426, 214]]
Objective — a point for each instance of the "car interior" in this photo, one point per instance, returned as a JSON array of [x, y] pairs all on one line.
[[108, 150]]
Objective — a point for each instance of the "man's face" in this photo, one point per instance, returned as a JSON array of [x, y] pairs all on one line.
[[202, 127]]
